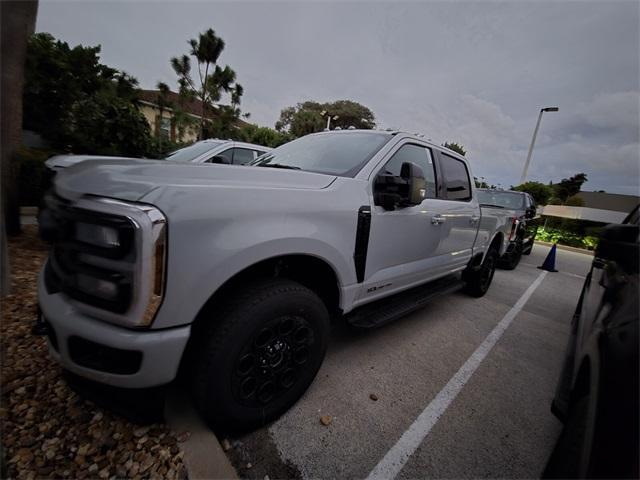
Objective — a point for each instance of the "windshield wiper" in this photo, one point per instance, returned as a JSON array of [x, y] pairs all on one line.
[[278, 165], [490, 205]]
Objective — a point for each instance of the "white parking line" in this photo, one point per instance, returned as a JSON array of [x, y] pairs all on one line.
[[410, 440]]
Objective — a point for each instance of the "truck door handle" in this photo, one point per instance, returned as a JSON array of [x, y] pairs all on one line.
[[437, 219], [474, 219]]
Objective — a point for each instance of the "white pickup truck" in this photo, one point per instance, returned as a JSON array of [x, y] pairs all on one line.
[[231, 275]]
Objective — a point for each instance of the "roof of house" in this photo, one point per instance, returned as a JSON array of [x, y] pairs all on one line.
[[192, 106], [609, 201]]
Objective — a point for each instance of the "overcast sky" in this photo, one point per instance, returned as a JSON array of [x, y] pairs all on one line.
[[476, 73]]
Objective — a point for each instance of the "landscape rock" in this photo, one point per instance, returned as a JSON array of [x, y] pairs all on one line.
[[47, 430], [326, 420]]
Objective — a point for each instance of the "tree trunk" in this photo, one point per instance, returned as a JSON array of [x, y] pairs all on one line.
[[202, 119], [17, 23]]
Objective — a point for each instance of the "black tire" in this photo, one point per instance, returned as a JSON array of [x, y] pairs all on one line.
[[259, 354], [526, 249], [511, 260], [569, 458], [479, 281]]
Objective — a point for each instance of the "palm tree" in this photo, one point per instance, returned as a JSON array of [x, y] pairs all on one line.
[[213, 79], [18, 22]]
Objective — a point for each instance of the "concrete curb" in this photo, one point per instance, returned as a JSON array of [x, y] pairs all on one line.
[[203, 455], [567, 248]]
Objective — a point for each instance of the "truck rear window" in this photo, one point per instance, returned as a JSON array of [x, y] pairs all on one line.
[[512, 201]]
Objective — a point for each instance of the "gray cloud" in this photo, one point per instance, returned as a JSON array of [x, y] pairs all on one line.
[[472, 72]]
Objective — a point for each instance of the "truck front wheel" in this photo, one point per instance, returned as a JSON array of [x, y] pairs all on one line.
[[259, 354]]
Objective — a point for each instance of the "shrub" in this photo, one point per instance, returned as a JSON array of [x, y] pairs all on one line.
[[32, 177], [539, 191], [564, 237]]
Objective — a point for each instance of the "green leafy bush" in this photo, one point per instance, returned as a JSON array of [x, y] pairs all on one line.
[[265, 136], [565, 237], [32, 178]]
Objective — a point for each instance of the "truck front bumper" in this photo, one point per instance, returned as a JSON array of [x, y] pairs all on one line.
[[107, 353]]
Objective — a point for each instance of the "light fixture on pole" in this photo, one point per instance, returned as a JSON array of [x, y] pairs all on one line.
[[533, 141], [329, 118]]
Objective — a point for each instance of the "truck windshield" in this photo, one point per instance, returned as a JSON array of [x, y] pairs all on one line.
[[510, 200], [191, 152], [342, 154]]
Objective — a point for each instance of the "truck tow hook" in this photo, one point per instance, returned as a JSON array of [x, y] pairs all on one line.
[[40, 327]]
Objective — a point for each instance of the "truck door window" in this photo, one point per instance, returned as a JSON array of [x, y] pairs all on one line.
[[227, 155], [242, 156], [421, 156], [456, 178]]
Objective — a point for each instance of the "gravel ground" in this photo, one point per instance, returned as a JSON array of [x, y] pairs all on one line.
[[46, 429]]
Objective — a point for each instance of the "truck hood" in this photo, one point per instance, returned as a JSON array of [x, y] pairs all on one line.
[[133, 179], [64, 161]]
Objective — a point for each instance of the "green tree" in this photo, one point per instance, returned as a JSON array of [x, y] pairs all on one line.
[[109, 125], [540, 192], [568, 187], [480, 183], [455, 147], [213, 81], [79, 104], [263, 136], [309, 117]]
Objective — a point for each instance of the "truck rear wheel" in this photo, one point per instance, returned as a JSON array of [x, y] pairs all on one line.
[[511, 261], [260, 354], [478, 281]]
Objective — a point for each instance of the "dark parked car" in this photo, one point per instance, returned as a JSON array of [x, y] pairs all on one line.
[[525, 221], [597, 394]]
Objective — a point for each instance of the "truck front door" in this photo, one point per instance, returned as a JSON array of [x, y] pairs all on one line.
[[404, 242]]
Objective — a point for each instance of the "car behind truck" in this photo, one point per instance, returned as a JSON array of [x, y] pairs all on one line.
[[231, 275], [520, 225]]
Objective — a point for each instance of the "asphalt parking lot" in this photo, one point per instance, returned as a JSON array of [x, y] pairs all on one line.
[[463, 388]]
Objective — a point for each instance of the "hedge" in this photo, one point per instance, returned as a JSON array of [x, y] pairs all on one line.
[[32, 176], [564, 237]]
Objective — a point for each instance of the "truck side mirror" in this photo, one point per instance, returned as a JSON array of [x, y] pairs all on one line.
[[416, 184], [619, 243], [531, 212], [407, 190]]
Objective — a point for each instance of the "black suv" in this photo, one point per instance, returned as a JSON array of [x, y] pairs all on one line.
[[597, 394]]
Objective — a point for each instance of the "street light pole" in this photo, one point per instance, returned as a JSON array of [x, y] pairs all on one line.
[[533, 142], [329, 118]]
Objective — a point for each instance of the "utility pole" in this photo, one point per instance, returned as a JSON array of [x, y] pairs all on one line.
[[533, 142]]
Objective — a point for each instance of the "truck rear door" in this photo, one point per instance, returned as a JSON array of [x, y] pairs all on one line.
[[460, 212]]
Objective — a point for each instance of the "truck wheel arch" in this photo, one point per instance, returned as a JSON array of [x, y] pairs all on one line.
[[497, 243], [311, 271]]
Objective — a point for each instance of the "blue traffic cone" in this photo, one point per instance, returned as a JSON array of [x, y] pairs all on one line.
[[550, 262]]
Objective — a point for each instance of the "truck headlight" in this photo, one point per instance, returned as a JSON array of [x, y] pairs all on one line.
[[97, 287], [101, 236]]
